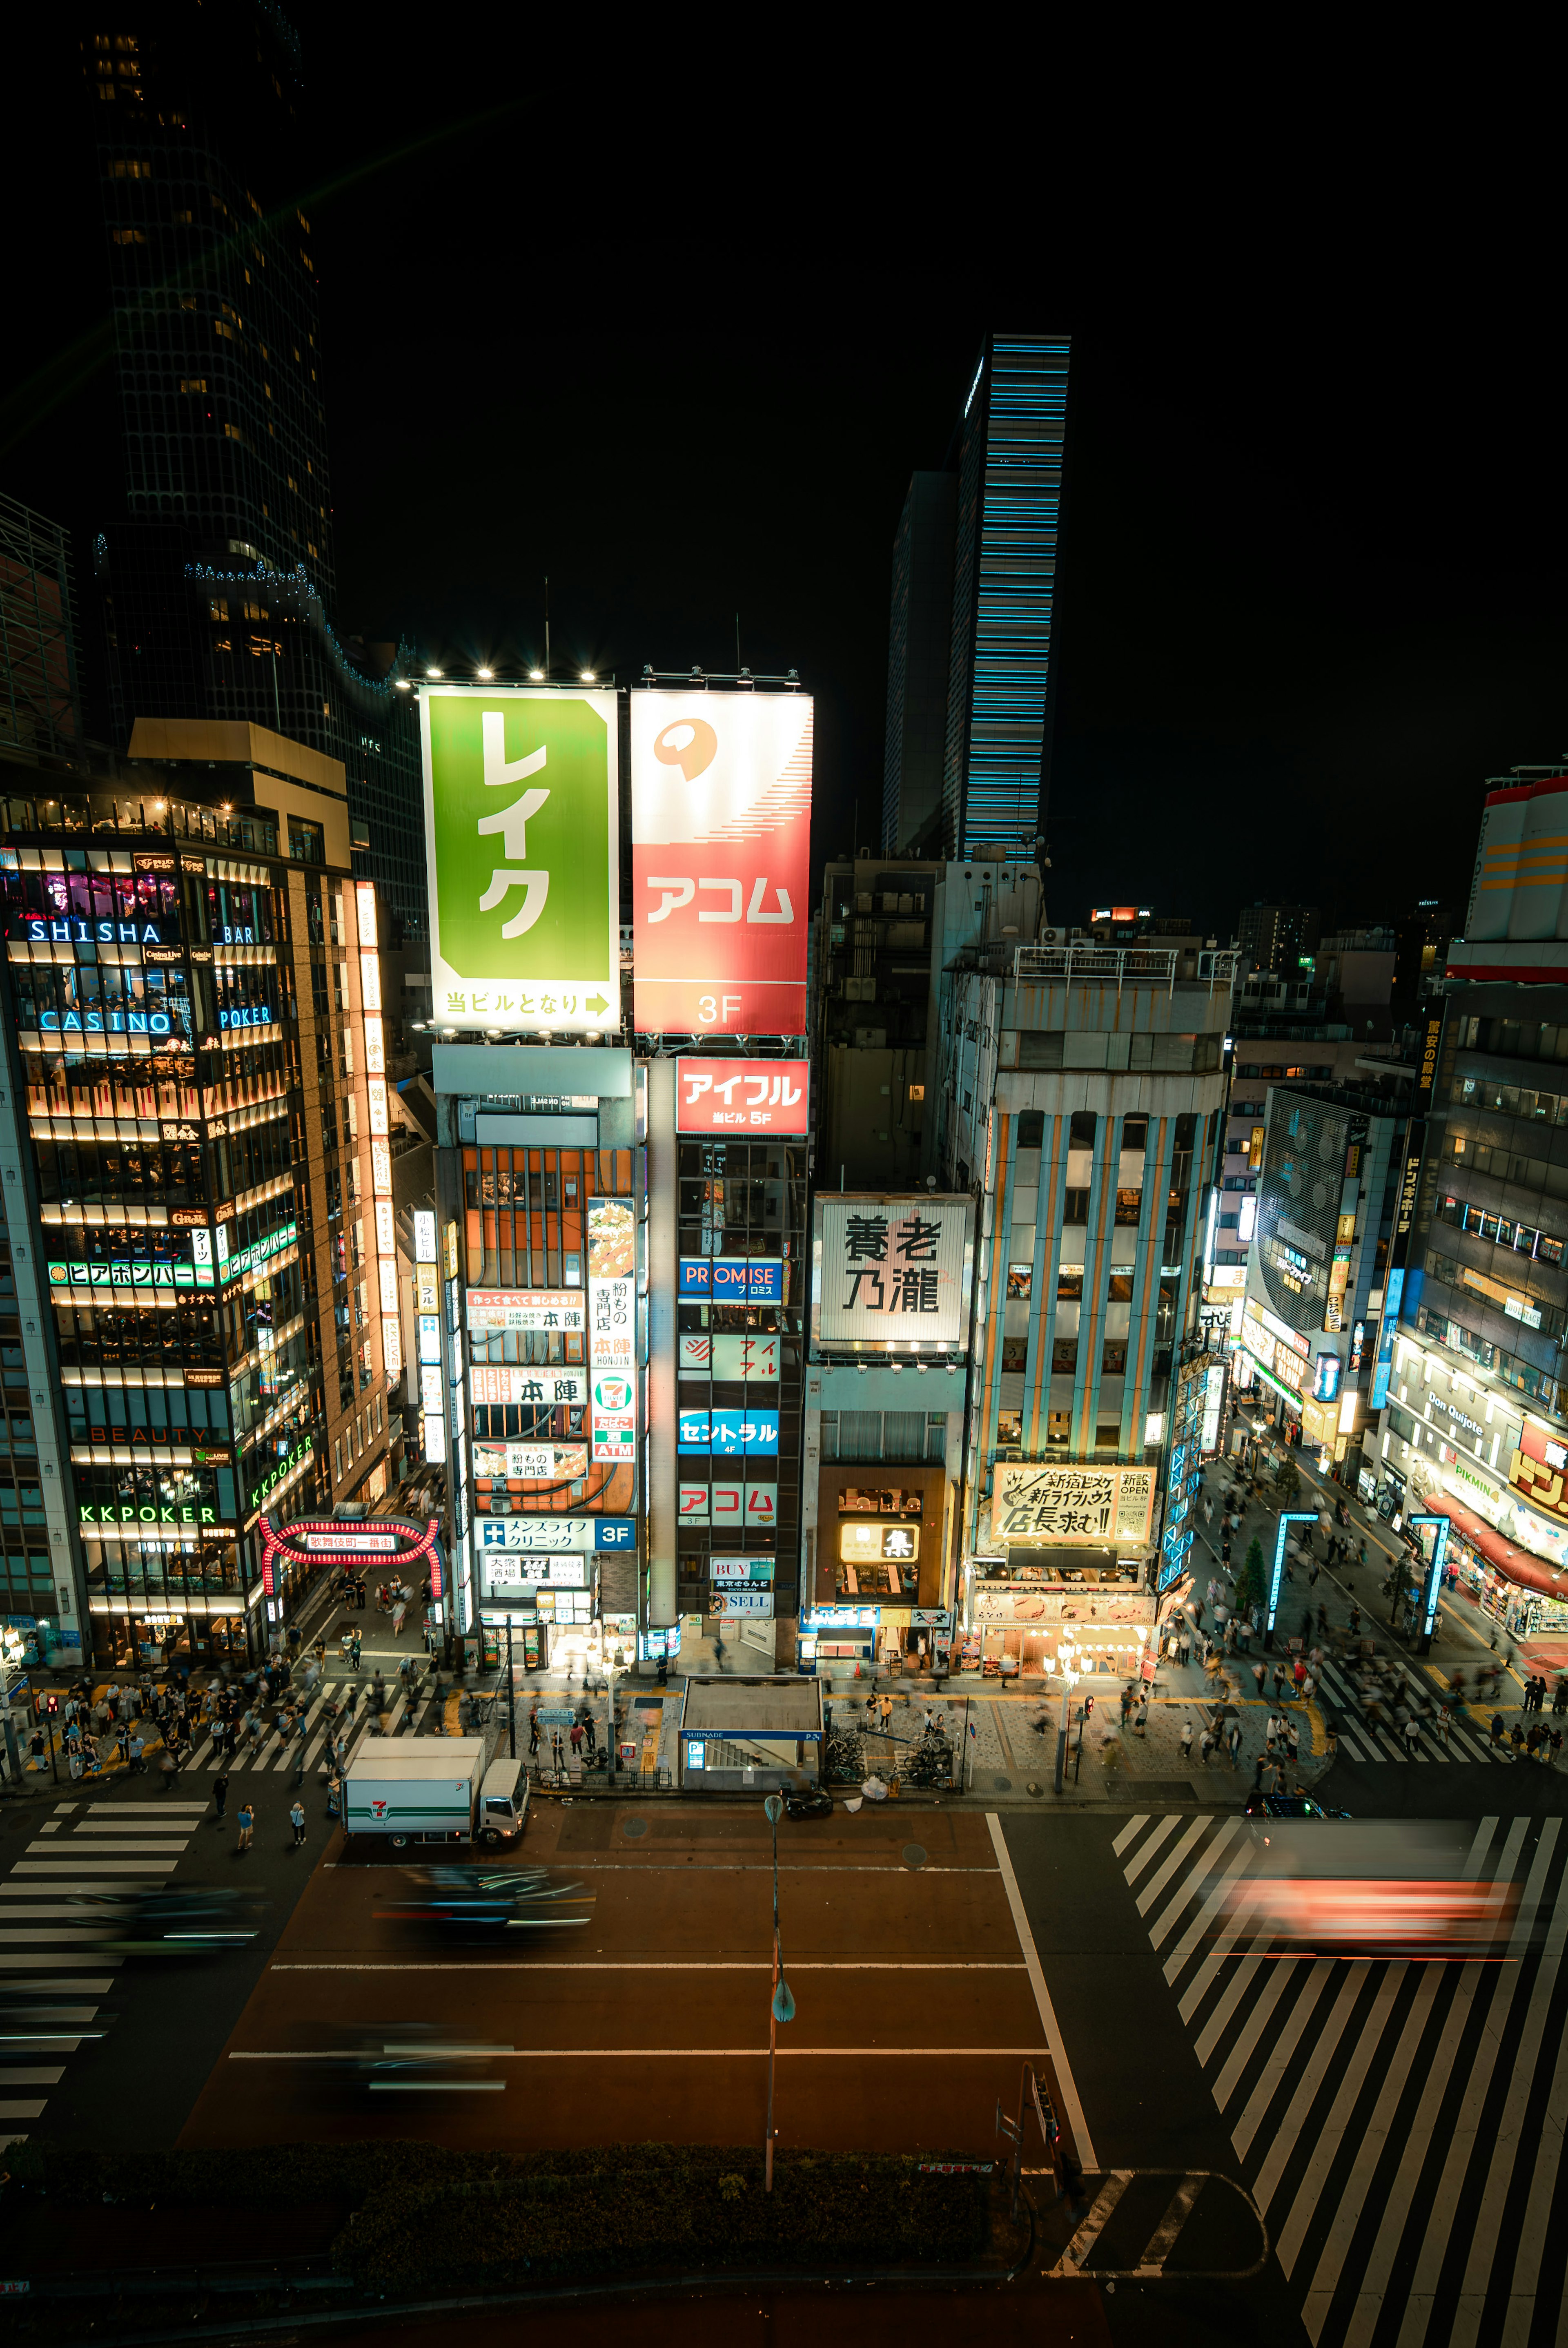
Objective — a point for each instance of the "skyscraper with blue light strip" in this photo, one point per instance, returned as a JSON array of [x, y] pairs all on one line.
[[996, 770]]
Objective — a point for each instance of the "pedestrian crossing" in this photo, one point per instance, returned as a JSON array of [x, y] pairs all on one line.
[[1400, 2123], [1363, 1738], [55, 1971]]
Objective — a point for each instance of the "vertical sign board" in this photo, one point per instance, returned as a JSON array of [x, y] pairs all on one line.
[[521, 804], [721, 843]]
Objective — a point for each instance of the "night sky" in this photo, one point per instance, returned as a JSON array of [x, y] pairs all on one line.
[[677, 335]]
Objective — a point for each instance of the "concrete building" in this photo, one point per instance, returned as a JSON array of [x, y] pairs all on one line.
[[1281, 938], [1079, 1093]]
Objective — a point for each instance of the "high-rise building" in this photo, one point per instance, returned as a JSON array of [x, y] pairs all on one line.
[[996, 773], [1278, 937], [217, 578], [969, 679], [40, 661], [919, 643], [200, 1313]]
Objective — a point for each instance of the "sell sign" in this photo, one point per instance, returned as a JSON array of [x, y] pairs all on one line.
[[521, 796], [721, 831]]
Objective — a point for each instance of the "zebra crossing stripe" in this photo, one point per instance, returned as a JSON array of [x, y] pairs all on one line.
[[1163, 1874], [1277, 2067], [1330, 2137], [1129, 1833], [1197, 1931], [1166, 1826], [1310, 2079]]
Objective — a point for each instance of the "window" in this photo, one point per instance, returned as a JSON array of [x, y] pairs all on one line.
[[1009, 1429], [1129, 1206], [1121, 1291], [1031, 1128], [1020, 1277], [1015, 1352], [1068, 1281], [337, 1459], [1058, 1425], [1108, 1434], [1113, 1360], [1075, 1207], [129, 235], [1065, 1357]]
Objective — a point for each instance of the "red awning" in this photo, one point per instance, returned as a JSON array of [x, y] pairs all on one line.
[[1514, 1564]]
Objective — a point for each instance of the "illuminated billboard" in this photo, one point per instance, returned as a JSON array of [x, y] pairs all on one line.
[[521, 803], [1291, 1264], [1034, 1503], [721, 842], [890, 1273], [741, 1095]]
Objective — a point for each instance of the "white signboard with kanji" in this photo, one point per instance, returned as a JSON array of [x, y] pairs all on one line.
[[1034, 1503], [891, 1272]]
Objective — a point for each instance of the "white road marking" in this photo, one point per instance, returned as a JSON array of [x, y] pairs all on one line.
[[665, 2053], [1129, 1833], [1052, 2028], [1328, 2138]]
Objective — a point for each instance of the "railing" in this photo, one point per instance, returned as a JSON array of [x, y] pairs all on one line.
[[1129, 965]]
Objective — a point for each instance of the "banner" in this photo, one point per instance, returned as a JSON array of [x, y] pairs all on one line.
[[1034, 1504], [720, 833], [521, 807], [890, 1272]]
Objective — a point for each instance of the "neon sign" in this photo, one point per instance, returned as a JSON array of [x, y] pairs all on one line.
[[316, 1540]]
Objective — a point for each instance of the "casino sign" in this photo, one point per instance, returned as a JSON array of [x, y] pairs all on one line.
[[378, 1544]]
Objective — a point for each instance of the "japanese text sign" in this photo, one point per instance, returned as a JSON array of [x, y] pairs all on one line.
[[1034, 1503], [741, 1096], [890, 1271]]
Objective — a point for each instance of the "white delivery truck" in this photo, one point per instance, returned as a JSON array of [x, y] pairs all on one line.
[[433, 1791]]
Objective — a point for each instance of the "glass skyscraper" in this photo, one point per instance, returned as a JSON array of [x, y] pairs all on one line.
[[218, 581]]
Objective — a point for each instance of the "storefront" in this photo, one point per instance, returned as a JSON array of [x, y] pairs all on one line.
[[1525, 1594], [1021, 1608]]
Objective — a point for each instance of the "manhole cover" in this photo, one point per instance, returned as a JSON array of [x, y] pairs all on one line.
[[914, 1854], [634, 1827], [1002, 1785]]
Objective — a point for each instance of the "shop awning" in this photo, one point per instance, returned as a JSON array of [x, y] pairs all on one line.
[[1514, 1564]]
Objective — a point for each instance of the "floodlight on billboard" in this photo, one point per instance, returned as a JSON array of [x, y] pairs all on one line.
[[720, 845], [521, 801]]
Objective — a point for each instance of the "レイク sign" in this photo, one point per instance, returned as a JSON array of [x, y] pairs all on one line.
[[521, 800], [741, 1096], [721, 829]]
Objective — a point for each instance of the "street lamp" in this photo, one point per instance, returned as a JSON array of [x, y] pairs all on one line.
[[782, 2009], [1066, 1665]]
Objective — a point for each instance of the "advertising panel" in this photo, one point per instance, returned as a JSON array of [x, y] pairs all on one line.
[[735, 1598], [510, 1386], [611, 1240], [1538, 1472], [513, 1571], [733, 1506], [494, 1311], [729, 1433], [756, 1358], [741, 1568], [720, 834], [614, 1416], [534, 1462], [613, 1305], [732, 1279], [551, 1534], [869, 1544], [521, 802], [741, 1096], [1034, 1504], [1292, 1260], [890, 1271]]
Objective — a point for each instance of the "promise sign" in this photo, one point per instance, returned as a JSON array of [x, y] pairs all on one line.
[[522, 854]]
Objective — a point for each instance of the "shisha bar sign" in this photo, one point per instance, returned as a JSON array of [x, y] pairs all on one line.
[[338, 1540]]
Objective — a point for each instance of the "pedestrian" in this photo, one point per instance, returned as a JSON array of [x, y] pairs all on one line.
[[1412, 1735], [246, 1821], [871, 1714], [168, 1769], [590, 1730], [1141, 1718], [1556, 1736], [1186, 1740], [533, 1732], [1532, 1742], [1279, 1685], [1257, 1773], [297, 1820], [399, 1613], [1205, 1747], [887, 1706], [1441, 1725], [577, 1740], [122, 1738], [1185, 1646], [354, 1649], [1259, 1674], [220, 1793], [335, 1796], [556, 1751], [1517, 1739], [1233, 1741], [1298, 1673], [359, 1603], [1355, 1622], [1559, 1697], [134, 1751], [1497, 1738]]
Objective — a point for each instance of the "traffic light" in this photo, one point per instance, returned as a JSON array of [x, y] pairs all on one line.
[[1088, 1706], [51, 1704]]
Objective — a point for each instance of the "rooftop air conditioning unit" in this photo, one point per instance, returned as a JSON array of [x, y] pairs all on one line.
[[1053, 937]]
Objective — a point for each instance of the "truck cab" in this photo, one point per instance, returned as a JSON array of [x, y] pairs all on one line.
[[503, 1803]]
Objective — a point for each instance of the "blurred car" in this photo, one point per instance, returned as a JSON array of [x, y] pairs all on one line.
[[483, 1903], [1291, 1805], [411, 2058], [196, 1922], [816, 1803]]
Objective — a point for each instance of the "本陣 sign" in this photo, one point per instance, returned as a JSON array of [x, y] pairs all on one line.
[[1031, 1503], [521, 802], [741, 1096], [890, 1271], [720, 834]]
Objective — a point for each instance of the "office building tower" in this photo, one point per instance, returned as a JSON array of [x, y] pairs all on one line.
[[196, 1166], [1277, 937], [217, 578], [996, 770], [920, 642], [40, 661]]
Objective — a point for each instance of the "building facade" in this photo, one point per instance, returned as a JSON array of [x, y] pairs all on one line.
[[919, 646], [1080, 1095], [196, 1137], [216, 579]]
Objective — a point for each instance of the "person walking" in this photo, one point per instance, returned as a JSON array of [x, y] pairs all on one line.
[[1141, 1718], [246, 1822], [1560, 1696], [1412, 1735], [534, 1731], [220, 1793], [556, 1751], [1442, 1721], [1126, 1703], [297, 1820], [1233, 1741], [590, 1730], [1186, 1740], [1496, 1732], [577, 1740], [1205, 1747], [886, 1707], [353, 1648]]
